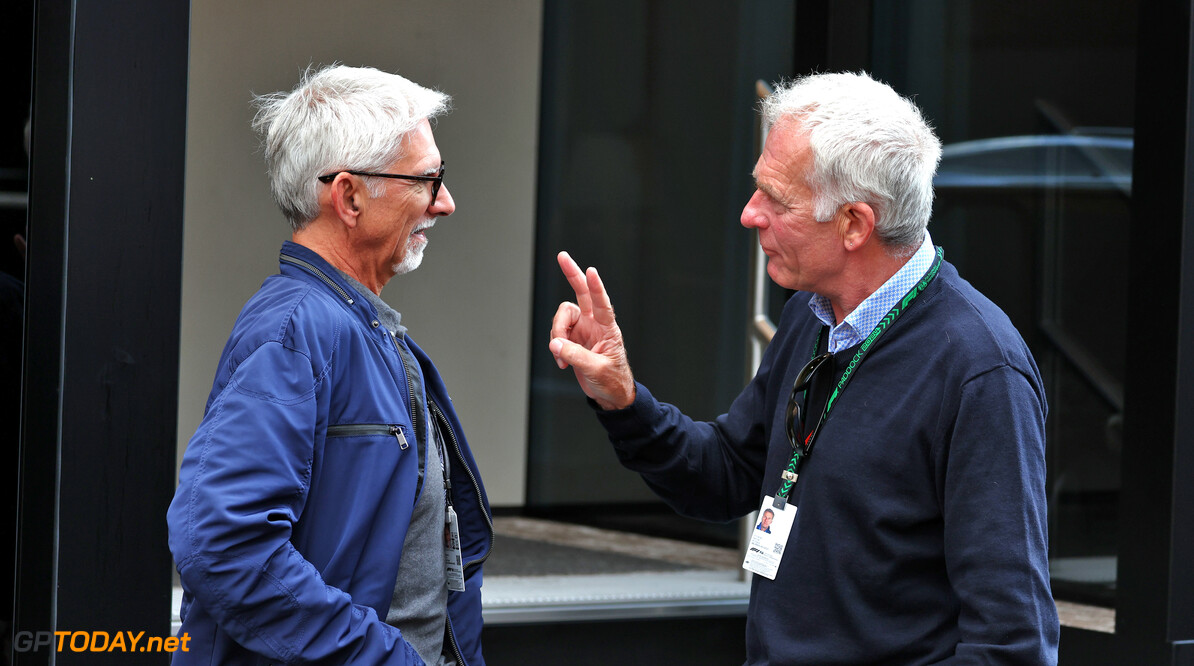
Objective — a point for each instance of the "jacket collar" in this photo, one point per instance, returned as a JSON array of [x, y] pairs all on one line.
[[300, 261]]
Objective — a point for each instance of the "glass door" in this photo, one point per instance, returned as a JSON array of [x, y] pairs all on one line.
[[1034, 103]]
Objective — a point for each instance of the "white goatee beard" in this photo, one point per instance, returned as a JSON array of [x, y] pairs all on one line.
[[414, 257]]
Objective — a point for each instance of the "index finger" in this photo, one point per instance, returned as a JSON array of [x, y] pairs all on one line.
[[576, 278]]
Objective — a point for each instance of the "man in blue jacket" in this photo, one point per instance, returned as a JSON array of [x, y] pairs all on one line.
[[895, 426], [329, 509]]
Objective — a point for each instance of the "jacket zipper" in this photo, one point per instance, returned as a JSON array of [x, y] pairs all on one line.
[[409, 366], [447, 427], [452, 641], [319, 274], [364, 429]]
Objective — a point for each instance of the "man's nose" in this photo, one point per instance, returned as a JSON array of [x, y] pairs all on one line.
[[752, 214], [444, 204]]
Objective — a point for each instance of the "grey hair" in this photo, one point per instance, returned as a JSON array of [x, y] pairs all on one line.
[[869, 144], [337, 118]]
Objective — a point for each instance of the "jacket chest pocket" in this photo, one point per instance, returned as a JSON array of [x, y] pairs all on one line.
[[366, 451], [370, 430]]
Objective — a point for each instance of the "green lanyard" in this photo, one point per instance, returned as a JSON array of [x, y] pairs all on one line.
[[801, 453]]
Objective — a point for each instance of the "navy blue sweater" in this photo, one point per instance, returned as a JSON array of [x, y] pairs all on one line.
[[920, 534]]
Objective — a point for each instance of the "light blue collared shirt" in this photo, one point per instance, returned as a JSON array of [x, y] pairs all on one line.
[[858, 324]]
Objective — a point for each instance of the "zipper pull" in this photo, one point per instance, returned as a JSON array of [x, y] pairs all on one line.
[[397, 433]]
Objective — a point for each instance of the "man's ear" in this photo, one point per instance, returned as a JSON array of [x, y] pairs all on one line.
[[857, 224], [346, 193]]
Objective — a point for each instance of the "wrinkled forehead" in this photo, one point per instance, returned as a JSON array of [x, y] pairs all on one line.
[[788, 152]]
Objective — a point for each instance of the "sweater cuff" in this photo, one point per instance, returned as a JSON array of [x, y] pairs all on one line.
[[633, 419]]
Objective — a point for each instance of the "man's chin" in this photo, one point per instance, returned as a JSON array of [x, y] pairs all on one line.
[[410, 262]]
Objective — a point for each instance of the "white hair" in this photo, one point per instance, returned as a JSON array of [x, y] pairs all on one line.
[[869, 144], [338, 118]]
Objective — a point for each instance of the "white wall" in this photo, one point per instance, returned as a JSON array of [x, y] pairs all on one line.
[[469, 305]]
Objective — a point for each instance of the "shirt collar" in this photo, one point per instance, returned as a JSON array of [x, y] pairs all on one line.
[[859, 323], [389, 317]]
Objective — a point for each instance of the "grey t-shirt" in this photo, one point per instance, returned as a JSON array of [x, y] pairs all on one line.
[[419, 605]]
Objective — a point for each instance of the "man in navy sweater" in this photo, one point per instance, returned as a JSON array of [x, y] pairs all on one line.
[[916, 534]]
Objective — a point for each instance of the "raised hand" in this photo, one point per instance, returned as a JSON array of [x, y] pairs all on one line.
[[585, 335]]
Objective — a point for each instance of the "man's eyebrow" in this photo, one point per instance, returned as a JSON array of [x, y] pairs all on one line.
[[768, 190]]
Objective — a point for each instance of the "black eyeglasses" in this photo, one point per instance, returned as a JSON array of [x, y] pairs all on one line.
[[436, 181], [795, 417]]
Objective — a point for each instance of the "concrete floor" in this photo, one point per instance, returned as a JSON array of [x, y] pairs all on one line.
[[558, 590], [543, 571]]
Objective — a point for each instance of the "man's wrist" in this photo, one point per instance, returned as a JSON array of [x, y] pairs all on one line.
[[615, 404]]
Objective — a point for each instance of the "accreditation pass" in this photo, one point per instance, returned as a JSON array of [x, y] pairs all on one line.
[[768, 538]]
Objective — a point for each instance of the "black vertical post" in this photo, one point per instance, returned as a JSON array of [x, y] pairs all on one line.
[[102, 310], [1153, 584], [37, 506], [1181, 585]]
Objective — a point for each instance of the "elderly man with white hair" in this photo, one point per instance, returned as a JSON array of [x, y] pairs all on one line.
[[329, 509], [895, 426]]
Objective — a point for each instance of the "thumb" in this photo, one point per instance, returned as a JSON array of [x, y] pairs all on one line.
[[554, 347], [569, 353]]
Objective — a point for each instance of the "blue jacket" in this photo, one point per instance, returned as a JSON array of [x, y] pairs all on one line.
[[297, 489], [920, 535]]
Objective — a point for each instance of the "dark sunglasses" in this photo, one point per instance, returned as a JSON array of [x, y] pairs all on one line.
[[795, 413], [436, 181]]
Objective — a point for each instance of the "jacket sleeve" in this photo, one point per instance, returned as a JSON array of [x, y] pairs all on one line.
[[996, 540], [242, 487]]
